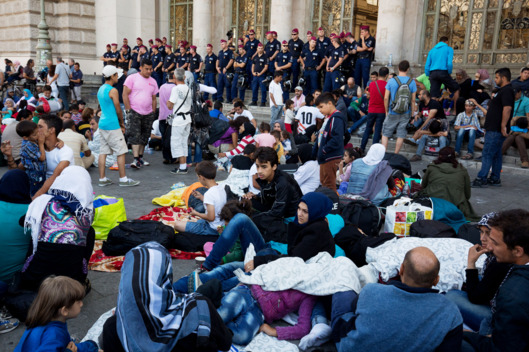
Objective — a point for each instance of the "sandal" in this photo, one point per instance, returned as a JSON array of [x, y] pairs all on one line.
[[467, 157]]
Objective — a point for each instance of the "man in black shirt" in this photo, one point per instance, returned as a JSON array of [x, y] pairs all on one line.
[[428, 109], [240, 71], [157, 63], [210, 63], [134, 63], [364, 50], [497, 126], [168, 62], [295, 45], [195, 61]]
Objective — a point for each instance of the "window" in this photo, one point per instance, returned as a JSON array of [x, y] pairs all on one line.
[[181, 21], [336, 16], [250, 14]]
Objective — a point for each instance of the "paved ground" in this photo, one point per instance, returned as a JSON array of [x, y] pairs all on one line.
[[156, 180]]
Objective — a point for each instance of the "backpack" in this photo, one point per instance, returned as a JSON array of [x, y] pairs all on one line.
[[470, 233], [332, 196], [398, 162], [432, 147], [199, 110], [132, 233], [401, 103], [363, 214], [431, 229]]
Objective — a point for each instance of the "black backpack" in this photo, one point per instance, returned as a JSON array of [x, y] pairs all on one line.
[[332, 196], [431, 229], [363, 214], [199, 110], [470, 233], [132, 233], [398, 162]]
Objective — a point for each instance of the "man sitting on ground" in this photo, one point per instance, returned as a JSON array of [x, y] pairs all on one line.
[[436, 129], [406, 315]]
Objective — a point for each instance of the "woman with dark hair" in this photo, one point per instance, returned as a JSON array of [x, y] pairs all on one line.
[[447, 179], [228, 139], [52, 81]]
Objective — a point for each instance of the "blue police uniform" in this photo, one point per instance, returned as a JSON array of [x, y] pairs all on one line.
[[194, 64], [241, 59], [295, 47], [330, 78], [210, 71], [157, 74], [282, 59], [259, 64], [311, 59], [270, 50], [363, 62], [167, 62], [251, 48], [134, 57], [224, 58], [350, 60], [181, 60]]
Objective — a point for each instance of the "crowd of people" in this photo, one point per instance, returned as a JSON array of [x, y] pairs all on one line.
[[285, 178]]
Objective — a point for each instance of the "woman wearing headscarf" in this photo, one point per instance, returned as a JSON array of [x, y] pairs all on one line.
[[27, 96], [308, 173], [447, 179], [60, 223], [151, 316], [371, 176], [14, 202]]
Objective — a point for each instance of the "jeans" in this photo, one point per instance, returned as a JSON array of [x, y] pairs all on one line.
[[275, 114], [311, 84], [295, 71], [342, 303], [471, 138], [359, 122], [473, 314], [491, 156], [376, 119], [63, 94], [362, 72], [443, 142], [257, 82], [209, 80], [222, 81], [241, 313], [234, 87], [319, 316], [240, 227], [198, 153], [223, 273]]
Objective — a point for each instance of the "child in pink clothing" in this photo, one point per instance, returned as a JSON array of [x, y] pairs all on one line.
[[264, 138], [344, 168]]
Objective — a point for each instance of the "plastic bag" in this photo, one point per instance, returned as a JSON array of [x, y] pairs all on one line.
[[108, 216], [403, 213]]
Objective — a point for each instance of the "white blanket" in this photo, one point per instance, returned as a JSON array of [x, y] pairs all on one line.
[[264, 343], [321, 275], [451, 252]]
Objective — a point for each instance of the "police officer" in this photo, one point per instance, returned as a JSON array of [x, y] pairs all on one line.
[[134, 63], [114, 53], [350, 46], [124, 57], [161, 47], [284, 62], [259, 67], [323, 44], [295, 45], [240, 71], [272, 49], [182, 60], [126, 44], [210, 70], [335, 59], [307, 43], [312, 61], [151, 43], [224, 66], [168, 62], [251, 49], [195, 61], [106, 56], [157, 64], [364, 56]]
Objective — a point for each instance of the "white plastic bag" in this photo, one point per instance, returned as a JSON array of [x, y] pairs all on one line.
[[403, 213]]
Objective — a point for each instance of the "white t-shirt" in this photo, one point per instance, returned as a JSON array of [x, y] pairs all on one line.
[[308, 176], [307, 116], [215, 196], [253, 171], [275, 89], [245, 113], [55, 156], [156, 128], [289, 116], [178, 94]]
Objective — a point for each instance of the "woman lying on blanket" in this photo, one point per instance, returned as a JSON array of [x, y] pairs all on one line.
[[308, 235]]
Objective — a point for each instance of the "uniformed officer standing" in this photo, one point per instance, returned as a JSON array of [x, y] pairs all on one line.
[[350, 46], [134, 63], [312, 61], [323, 44], [114, 54], [106, 56], [259, 67], [335, 59], [168, 62], [144, 53], [182, 60], [124, 57], [157, 63], [364, 55], [284, 62], [272, 49], [240, 71], [251, 49], [307, 43], [210, 70], [126, 44], [161, 47], [295, 45], [151, 43], [195, 61], [224, 66]]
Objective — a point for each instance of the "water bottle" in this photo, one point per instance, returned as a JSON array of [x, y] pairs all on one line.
[[390, 62]]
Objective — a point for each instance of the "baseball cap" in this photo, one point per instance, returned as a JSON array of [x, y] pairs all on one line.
[[309, 33], [109, 71], [251, 31], [139, 39], [284, 42]]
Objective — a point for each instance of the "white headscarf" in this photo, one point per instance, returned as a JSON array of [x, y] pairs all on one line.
[[75, 184], [375, 154]]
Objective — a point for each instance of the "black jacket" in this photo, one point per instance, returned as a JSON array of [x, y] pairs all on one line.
[[281, 196], [482, 291]]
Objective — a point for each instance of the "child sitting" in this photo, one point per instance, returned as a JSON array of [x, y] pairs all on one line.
[[60, 298], [238, 180], [466, 123], [289, 115], [214, 199], [285, 140], [344, 168], [278, 147], [32, 154], [264, 138]]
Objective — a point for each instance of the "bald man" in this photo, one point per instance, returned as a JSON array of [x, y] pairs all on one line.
[[405, 315]]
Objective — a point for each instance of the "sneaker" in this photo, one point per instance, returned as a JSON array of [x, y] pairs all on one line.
[[8, 325], [193, 281], [253, 103], [179, 171], [106, 182], [262, 105], [410, 141], [135, 164], [129, 183], [525, 165], [416, 158], [478, 183], [144, 163], [495, 183], [4, 314]]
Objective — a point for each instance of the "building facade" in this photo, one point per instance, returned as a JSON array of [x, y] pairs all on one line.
[[483, 33]]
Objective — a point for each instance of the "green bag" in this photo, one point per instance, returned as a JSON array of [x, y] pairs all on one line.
[[108, 216]]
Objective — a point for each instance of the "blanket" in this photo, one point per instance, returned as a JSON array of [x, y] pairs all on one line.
[[321, 275], [264, 343], [168, 215], [173, 198], [451, 252]]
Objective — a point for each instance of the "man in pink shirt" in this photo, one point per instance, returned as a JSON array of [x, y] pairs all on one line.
[[165, 93], [139, 97], [299, 98]]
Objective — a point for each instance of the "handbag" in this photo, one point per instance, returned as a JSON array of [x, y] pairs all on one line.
[[403, 213], [172, 115], [108, 215]]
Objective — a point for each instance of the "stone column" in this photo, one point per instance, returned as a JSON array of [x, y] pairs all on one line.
[[281, 18], [390, 27], [202, 19]]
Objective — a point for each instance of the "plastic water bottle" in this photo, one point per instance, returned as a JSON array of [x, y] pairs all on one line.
[[390, 62]]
